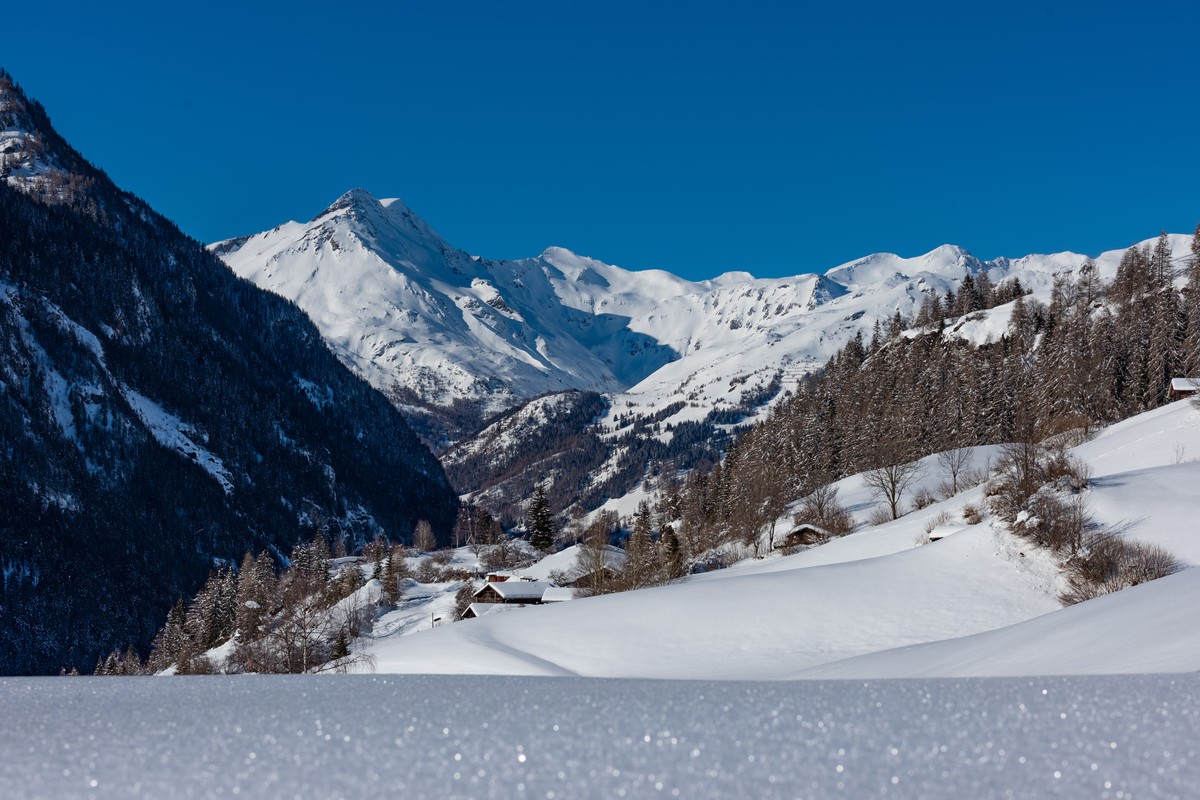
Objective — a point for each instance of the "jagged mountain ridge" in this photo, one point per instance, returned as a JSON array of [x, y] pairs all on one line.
[[455, 338], [158, 415], [433, 326]]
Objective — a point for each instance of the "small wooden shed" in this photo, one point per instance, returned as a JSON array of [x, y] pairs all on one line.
[[804, 535], [1183, 387]]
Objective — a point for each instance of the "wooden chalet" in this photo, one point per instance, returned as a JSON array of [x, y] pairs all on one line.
[[512, 591], [1183, 387]]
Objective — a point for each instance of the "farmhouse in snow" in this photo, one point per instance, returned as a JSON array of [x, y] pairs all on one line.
[[512, 591]]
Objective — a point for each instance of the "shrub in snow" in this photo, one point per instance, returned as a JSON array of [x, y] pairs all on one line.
[[943, 518], [502, 555], [1110, 563], [428, 571], [1068, 471], [880, 515], [923, 499]]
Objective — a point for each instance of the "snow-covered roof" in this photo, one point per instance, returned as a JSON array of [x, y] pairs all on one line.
[[1185, 384], [558, 594], [516, 590], [483, 609]]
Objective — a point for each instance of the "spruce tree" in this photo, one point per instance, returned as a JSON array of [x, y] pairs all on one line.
[[540, 522], [170, 640]]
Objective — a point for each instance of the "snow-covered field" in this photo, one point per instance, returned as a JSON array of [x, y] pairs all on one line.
[[882, 602], [423, 736], [878, 664]]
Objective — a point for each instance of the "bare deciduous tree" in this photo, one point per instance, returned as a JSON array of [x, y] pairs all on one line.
[[423, 538], [892, 481], [955, 461]]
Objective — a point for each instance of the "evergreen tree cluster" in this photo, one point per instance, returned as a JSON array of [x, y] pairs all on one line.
[[299, 620]]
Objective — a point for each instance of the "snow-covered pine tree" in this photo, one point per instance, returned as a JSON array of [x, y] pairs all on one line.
[[170, 640], [257, 596], [540, 522]]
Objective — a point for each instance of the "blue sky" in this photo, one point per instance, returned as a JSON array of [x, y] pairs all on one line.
[[696, 137]]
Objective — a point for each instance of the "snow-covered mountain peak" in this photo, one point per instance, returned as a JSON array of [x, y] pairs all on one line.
[[379, 223], [574, 266], [884, 270], [356, 200], [949, 255], [560, 255], [733, 278]]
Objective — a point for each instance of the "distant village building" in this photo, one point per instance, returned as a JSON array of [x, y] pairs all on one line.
[[550, 580], [1183, 387]]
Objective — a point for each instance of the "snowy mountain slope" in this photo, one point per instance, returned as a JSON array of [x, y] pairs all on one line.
[[564, 561], [871, 542], [435, 325], [159, 415], [975, 593], [1145, 474], [405, 309]]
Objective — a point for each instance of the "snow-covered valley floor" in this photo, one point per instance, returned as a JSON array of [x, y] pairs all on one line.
[[879, 664], [455, 736]]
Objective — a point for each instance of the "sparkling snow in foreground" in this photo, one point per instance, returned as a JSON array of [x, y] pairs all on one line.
[[447, 736]]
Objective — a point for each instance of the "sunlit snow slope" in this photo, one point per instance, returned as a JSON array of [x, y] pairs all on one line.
[[869, 604]]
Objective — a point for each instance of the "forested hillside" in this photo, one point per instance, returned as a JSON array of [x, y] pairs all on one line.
[[158, 415], [1093, 355]]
